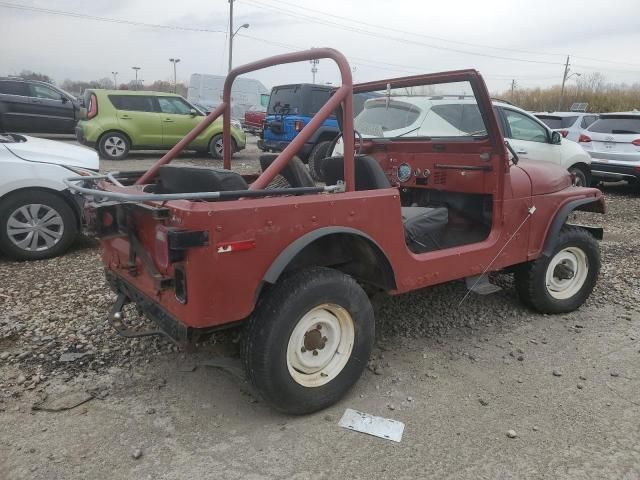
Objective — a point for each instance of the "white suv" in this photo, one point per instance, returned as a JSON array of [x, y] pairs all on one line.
[[569, 124], [38, 216], [453, 115]]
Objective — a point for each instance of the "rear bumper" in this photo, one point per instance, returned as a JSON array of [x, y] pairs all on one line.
[[615, 171], [81, 138]]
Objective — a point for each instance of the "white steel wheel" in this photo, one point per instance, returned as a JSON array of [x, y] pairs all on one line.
[[320, 345], [567, 273]]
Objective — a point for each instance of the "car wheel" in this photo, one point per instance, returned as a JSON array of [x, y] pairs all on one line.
[[318, 153], [35, 224], [562, 281], [581, 178], [114, 146], [309, 340], [216, 147]]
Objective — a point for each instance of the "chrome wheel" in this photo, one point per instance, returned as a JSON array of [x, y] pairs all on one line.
[[219, 148], [115, 146], [35, 227], [567, 273], [320, 345]]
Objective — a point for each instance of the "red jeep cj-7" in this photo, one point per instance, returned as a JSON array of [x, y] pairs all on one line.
[[424, 194]]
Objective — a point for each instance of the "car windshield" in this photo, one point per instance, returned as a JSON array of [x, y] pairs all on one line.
[[557, 122], [442, 110], [285, 100], [622, 125]]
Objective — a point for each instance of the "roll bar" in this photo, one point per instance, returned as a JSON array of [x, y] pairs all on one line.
[[344, 95]]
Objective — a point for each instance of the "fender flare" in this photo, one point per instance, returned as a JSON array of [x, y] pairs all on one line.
[[561, 218], [288, 254], [334, 131]]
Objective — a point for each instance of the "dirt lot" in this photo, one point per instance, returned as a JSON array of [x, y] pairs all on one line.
[[459, 378]]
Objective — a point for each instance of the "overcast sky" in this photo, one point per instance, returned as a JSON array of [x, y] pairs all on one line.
[[381, 38]]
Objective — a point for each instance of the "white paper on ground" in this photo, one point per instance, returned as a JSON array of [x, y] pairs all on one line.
[[372, 425]]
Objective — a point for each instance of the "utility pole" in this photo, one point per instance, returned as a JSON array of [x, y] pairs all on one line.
[[175, 81], [513, 88], [136, 70], [115, 80], [314, 68], [564, 80], [232, 33]]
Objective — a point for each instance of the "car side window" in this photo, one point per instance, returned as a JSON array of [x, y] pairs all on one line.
[[9, 87], [174, 105], [135, 103], [40, 91], [523, 128]]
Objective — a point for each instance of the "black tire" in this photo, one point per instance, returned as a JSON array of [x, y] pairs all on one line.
[[49, 202], [531, 278], [280, 310], [114, 146], [318, 153], [582, 178], [214, 145]]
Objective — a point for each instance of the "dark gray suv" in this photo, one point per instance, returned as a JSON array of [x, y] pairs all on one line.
[[31, 106]]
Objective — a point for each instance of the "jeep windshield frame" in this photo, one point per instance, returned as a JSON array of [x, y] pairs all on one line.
[[342, 97]]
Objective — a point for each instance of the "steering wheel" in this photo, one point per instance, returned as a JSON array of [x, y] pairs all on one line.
[[339, 136]]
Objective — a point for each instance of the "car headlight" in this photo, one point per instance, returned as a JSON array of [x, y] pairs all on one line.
[[236, 124], [83, 172]]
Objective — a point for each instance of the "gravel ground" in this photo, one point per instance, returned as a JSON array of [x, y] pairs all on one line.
[[438, 368]]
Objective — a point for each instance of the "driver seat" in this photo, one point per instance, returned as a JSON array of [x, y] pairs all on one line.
[[423, 226]]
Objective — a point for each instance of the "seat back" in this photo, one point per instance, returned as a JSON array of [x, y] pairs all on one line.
[[369, 174], [294, 172], [183, 179]]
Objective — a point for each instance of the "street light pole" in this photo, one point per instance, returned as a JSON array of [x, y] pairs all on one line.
[[232, 33], [175, 81], [136, 70], [115, 80]]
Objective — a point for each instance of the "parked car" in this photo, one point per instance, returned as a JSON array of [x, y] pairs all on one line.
[[449, 115], [298, 265], [118, 121], [613, 141], [31, 106], [254, 119], [569, 124], [290, 108], [38, 216]]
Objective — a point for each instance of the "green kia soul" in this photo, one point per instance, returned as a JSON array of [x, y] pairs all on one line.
[[117, 121]]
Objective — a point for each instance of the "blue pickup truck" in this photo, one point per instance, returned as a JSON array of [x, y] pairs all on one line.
[[290, 108]]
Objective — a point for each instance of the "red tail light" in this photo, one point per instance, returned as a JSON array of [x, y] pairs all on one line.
[[564, 133], [92, 110], [584, 138], [298, 125], [636, 142]]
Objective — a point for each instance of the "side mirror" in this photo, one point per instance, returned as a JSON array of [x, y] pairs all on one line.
[[63, 99], [556, 138], [193, 112]]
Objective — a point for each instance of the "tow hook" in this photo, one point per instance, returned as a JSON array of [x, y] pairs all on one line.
[[117, 320]]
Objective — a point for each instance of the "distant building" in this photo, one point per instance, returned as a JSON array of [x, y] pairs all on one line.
[[206, 90]]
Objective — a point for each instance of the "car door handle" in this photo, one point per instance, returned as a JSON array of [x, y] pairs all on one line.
[[521, 152], [168, 120], [125, 117], [36, 101]]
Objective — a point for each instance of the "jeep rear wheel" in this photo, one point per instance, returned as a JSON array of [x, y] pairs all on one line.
[[562, 281], [309, 340]]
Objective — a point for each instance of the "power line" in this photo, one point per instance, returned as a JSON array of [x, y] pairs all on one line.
[[397, 39], [387, 28], [301, 16], [105, 19]]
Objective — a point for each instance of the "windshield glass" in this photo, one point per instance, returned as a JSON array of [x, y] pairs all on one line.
[[557, 122], [617, 125], [285, 100], [442, 110]]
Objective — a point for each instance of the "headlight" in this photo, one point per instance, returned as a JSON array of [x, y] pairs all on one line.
[[236, 124], [83, 172]]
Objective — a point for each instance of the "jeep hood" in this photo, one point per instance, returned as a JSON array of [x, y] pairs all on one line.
[[34, 149], [545, 177]]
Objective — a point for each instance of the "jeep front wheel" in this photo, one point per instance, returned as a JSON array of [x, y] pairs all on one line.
[[309, 340], [562, 281]]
